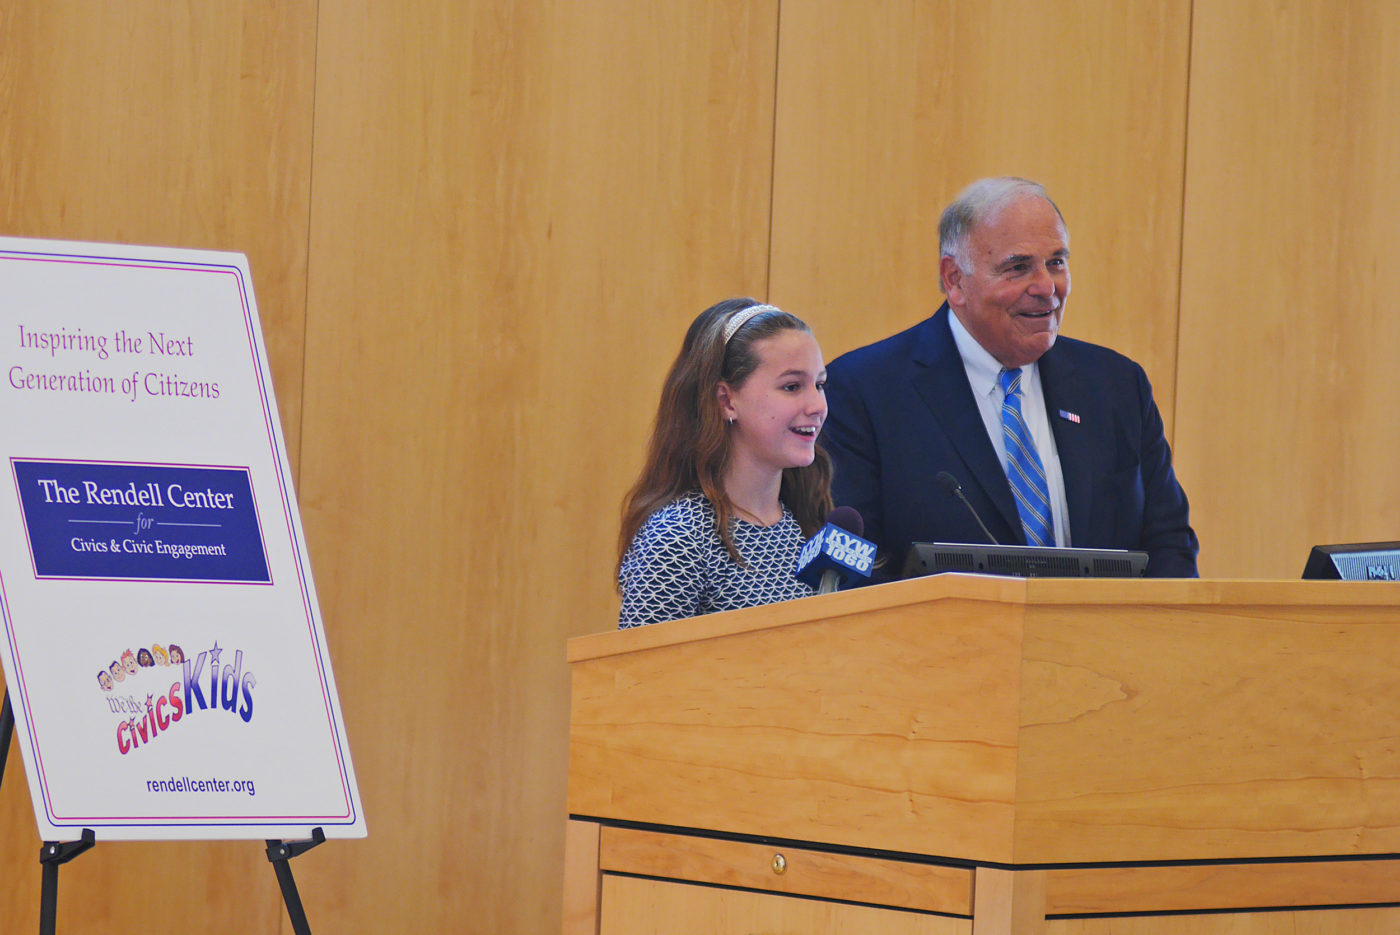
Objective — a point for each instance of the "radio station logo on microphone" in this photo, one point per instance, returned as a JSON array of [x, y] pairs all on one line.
[[852, 551], [832, 557], [178, 690]]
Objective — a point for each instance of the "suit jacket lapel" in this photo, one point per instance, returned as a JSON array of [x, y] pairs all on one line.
[[1068, 394], [940, 377]]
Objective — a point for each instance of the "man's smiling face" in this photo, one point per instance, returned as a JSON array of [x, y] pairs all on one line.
[[1013, 297]]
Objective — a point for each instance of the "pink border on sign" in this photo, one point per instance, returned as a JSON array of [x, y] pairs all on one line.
[[160, 821]]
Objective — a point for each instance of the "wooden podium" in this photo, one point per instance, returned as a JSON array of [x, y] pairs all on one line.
[[974, 755]]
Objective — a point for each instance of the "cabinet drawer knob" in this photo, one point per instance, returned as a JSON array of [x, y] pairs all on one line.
[[779, 863]]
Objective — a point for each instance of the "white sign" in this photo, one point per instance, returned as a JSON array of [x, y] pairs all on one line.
[[163, 646]]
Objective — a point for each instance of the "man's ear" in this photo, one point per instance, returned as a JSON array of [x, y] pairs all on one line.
[[952, 278]]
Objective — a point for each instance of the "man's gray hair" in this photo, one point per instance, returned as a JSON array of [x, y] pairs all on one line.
[[974, 205]]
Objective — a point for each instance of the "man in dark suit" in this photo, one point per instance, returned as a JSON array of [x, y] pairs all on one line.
[[987, 386]]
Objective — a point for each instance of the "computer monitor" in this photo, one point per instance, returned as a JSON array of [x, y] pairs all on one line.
[[1355, 561], [1022, 561]]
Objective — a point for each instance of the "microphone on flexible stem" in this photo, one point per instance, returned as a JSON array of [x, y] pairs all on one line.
[[837, 554], [950, 483]]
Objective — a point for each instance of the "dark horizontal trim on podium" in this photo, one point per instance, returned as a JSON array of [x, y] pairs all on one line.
[[1161, 913], [956, 862]]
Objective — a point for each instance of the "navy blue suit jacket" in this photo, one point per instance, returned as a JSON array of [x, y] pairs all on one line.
[[901, 410]]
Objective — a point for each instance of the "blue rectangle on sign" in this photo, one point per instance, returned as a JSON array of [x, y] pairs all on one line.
[[89, 519]]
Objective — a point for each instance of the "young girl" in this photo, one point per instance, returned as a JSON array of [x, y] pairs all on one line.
[[734, 480]]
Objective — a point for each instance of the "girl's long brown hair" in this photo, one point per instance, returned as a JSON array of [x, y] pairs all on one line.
[[689, 447]]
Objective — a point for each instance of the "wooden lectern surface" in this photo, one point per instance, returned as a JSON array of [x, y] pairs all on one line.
[[1040, 722]]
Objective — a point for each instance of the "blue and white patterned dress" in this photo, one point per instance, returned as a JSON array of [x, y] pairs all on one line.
[[677, 565]]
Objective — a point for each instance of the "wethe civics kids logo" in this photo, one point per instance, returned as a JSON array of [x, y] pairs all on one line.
[[227, 687]]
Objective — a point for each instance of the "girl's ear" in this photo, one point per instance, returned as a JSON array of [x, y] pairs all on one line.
[[726, 404]]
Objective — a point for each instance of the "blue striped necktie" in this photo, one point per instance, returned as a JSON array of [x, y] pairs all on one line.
[[1023, 466]]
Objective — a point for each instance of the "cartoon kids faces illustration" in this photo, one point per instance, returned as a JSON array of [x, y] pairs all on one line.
[[131, 662]]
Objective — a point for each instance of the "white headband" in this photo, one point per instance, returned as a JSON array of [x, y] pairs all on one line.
[[739, 318]]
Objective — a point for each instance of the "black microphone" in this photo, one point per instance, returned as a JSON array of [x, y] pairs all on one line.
[[849, 519], [950, 483]]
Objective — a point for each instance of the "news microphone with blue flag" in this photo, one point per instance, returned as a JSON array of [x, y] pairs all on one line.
[[836, 556]]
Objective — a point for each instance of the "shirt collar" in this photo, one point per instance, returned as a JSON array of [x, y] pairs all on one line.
[[983, 370]]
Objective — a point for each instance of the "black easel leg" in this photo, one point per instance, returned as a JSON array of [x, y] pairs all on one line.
[[48, 899], [281, 853], [290, 896], [7, 730], [51, 855]]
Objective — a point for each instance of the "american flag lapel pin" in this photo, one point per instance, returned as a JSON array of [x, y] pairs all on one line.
[[1070, 416]]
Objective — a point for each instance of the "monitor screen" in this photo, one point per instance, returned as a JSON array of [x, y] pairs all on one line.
[[1022, 561]]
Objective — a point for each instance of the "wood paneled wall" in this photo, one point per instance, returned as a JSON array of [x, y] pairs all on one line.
[[1288, 425], [478, 229]]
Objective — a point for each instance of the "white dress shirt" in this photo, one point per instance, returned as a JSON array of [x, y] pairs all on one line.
[[984, 373]]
